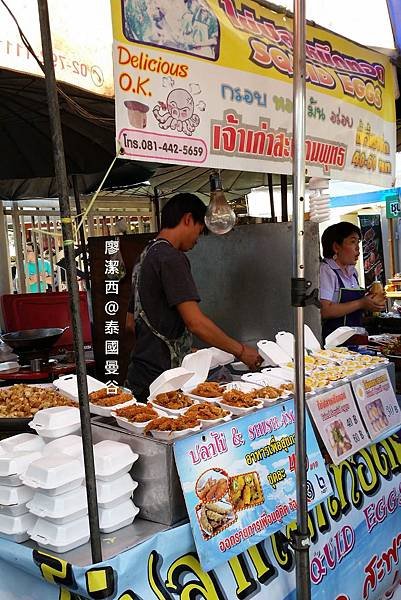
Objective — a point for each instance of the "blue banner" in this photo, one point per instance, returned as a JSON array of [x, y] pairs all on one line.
[[355, 552], [238, 480]]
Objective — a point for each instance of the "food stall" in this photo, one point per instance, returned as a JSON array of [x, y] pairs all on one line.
[[354, 500]]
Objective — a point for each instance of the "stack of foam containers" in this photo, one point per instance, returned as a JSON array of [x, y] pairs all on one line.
[[16, 453], [55, 479]]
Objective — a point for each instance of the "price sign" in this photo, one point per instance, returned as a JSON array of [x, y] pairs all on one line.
[[337, 419], [377, 402]]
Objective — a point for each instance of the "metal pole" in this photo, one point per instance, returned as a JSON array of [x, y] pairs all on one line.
[[81, 231], [69, 251], [301, 537], [19, 252]]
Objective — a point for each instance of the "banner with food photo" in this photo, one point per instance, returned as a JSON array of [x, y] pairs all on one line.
[[372, 248], [238, 480], [209, 83]]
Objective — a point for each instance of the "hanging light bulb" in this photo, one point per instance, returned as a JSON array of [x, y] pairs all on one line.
[[220, 217], [319, 200]]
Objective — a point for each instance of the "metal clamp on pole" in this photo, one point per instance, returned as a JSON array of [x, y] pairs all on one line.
[[299, 541], [299, 296]]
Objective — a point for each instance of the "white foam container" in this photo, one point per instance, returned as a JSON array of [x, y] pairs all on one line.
[[71, 445], [13, 480], [113, 459], [23, 442], [212, 422], [14, 510], [131, 425], [242, 386], [169, 381], [60, 538], [271, 352], [200, 363], [56, 474], [56, 422], [68, 385], [339, 336], [171, 412], [311, 342], [120, 515], [15, 528], [59, 509], [238, 411], [220, 357], [15, 496], [16, 463], [111, 493], [168, 436]]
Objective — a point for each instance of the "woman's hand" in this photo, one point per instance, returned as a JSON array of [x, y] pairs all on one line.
[[373, 303]]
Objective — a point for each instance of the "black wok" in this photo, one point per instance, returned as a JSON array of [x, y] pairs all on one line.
[[33, 339]]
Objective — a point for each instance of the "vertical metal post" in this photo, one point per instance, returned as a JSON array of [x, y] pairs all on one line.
[[69, 251], [35, 250], [51, 256], [18, 249], [301, 537], [81, 231]]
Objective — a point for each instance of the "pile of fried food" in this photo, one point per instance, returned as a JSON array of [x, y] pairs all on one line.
[[392, 347], [213, 489], [245, 491], [24, 401], [137, 413], [103, 398], [173, 400], [206, 411], [208, 389], [171, 424], [214, 516], [239, 399], [267, 392]]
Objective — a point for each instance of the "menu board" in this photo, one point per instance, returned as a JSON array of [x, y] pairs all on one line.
[[377, 402], [337, 419], [238, 480], [372, 248]]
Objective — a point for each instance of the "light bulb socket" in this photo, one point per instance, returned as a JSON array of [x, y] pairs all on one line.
[[215, 182]]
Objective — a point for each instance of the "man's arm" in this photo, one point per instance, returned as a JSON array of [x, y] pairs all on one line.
[[207, 331]]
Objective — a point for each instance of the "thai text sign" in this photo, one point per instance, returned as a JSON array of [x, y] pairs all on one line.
[[239, 481], [209, 83]]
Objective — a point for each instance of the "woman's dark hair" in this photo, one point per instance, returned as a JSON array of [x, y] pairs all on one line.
[[337, 233], [180, 205]]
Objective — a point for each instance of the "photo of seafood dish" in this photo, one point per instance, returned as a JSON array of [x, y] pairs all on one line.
[[214, 517], [338, 437], [377, 416], [207, 411], [103, 398], [212, 485], [173, 400], [208, 389], [137, 413], [245, 491]]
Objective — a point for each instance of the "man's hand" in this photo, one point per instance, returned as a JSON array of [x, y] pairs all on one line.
[[250, 357]]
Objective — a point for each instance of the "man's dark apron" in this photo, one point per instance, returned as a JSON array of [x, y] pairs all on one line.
[[179, 347], [354, 319]]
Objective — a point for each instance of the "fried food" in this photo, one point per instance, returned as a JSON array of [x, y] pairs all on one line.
[[171, 424], [103, 393], [208, 389], [213, 520], [113, 399], [174, 400], [24, 401], [239, 399], [213, 489], [137, 414], [266, 392], [206, 411], [245, 490]]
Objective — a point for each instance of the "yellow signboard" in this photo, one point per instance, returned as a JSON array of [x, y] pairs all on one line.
[[209, 83]]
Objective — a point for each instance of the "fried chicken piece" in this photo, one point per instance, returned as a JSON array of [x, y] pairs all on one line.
[[137, 414], [113, 399], [174, 400], [208, 389], [239, 399], [266, 392], [171, 424], [207, 411]]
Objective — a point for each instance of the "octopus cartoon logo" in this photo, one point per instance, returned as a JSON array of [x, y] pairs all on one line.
[[179, 112]]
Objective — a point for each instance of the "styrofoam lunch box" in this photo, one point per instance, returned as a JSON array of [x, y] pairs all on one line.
[[56, 422], [71, 445], [199, 362], [60, 538], [120, 515], [59, 509], [16, 463], [111, 493], [23, 442], [135, 427], [56, 474], [169, 381], [169, 436], [238, 411], [16, 528], [271, 352], [112, 459], [13, 499], [339, 336], [68, 385]]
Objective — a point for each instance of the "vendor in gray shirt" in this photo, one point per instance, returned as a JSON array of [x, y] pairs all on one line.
[[164, 307]]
